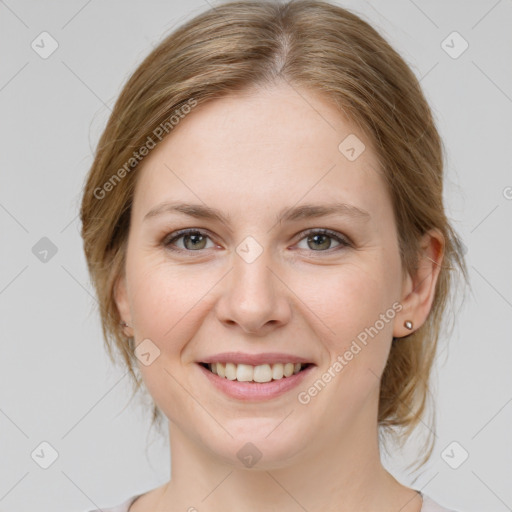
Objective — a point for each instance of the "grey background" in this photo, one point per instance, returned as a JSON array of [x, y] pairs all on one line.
[[57, 384]]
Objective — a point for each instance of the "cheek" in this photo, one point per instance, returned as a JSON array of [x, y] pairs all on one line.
[[168, 302], [357, 308], [353, 299], [167, 309]]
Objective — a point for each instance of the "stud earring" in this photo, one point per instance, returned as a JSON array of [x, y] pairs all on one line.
[[123, 325], [408, 325]]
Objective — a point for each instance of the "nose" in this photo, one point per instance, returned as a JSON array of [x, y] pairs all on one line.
[[254, 296]]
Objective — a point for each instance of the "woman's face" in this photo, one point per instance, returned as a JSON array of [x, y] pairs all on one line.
[[263, 281]]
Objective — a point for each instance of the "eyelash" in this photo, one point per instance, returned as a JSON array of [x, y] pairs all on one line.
[[173, 237]]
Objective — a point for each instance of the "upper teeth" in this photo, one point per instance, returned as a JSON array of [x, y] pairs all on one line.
[[260, 373]]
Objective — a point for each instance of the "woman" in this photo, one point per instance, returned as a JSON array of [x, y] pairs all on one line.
[[264, 226]]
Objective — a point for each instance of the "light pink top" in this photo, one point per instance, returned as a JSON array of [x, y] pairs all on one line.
[[429, 505]]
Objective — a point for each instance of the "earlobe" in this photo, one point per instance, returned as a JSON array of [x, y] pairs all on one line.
[[419, 289], [123, 305]]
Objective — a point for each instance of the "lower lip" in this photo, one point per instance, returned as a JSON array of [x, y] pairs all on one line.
[[253, 391]]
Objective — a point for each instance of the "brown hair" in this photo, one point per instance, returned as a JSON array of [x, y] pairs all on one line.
[[311, 44]]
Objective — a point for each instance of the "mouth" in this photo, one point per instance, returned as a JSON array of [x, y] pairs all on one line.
[[260, 383], [255, 374]]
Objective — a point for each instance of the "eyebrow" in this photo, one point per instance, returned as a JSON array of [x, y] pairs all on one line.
[[290, 214]]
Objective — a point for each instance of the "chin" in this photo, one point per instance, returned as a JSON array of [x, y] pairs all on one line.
[[253, 448]]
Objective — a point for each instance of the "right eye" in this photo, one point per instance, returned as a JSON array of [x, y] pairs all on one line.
[[193, 240]]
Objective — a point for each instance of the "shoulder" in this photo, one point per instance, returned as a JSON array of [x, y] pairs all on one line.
[[123, 507], [429, 505]]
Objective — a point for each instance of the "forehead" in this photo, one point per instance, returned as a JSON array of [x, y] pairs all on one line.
[[259, 149]]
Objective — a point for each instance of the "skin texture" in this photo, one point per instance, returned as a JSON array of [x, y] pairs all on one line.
[[250, 155]]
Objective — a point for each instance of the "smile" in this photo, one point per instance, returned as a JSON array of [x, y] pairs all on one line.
[[254, 383], [259, 373]]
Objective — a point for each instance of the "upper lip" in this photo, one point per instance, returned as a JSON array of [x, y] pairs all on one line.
[[255, 359]]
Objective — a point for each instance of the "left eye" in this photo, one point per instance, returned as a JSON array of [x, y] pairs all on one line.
[[194, 240], [323, 238]]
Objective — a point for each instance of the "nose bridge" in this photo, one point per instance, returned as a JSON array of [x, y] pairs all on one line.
[[252, 276], [253, 296]]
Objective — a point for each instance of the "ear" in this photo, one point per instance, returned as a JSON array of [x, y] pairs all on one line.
[[123, 304], [418, 290]]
